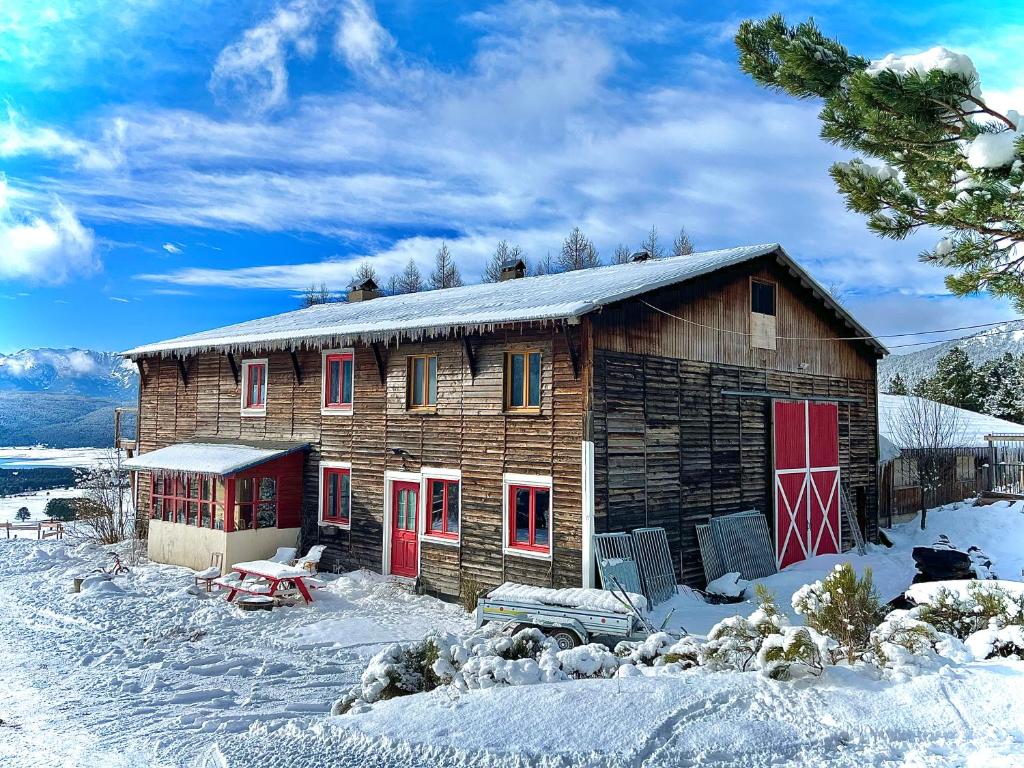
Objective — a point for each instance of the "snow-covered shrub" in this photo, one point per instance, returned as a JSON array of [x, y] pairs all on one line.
[[398, 670], [905, 644], [488, 658], [985, 606], [842, 607], [735, 642], [1004, 642], [644, 652], [588, 661], [687, 653], [795, 652]]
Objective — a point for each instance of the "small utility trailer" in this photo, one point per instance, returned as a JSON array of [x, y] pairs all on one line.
[[568, 616]]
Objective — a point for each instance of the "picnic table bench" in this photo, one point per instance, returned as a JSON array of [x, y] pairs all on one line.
[[266, 578]]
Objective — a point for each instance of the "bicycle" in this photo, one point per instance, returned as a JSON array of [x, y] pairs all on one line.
[[116, 568]]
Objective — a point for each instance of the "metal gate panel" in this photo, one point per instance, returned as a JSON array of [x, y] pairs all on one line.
[[744, 545], [655, 560], [713, 567], [616, 562]]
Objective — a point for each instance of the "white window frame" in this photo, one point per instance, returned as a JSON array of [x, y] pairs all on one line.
[[246, 365], [509, 479], [324, 410], [320, 500], [438, 473]]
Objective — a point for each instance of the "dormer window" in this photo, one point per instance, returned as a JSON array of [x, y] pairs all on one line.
[[339, 373], [762, 314], [254, 387]]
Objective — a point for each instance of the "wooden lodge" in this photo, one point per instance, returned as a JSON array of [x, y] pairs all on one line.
[[475, 435]]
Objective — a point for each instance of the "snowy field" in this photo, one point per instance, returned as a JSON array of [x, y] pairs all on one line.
[[144, 673], [36, 503]]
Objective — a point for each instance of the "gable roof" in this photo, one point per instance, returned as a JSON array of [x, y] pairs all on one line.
[[566, 296], [973, 427]]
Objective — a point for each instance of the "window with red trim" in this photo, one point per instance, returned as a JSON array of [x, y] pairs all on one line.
[[196, 500], [443, 517], [339, 369], [529, 513], [254, 386], [337, 495], [255, 503]]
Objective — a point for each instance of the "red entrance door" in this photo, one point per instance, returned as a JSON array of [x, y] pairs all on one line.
[[806, 480], [404, 541]]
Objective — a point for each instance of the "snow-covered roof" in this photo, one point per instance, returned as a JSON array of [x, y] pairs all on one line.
[[974, 426], [566, 296], [212, 458]]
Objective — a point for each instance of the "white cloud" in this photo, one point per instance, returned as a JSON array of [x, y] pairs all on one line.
[[255, 68], [44, 249], [360, 39], [120, 300], [171, 248]]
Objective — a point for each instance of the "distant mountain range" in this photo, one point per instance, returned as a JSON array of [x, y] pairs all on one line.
[[983, 346], [64, 398]]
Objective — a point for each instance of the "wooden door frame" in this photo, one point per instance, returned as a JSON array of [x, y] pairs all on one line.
[[390, 478]]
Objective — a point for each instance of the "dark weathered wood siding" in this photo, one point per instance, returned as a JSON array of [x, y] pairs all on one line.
[[670, 449], [469, 432]]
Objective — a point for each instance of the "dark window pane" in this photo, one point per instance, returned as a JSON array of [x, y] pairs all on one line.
[[204, 515], [158, 507], [268, 489], [432, 382], [346, 380], [266, 515], [453, 507], [516, 376], [334, 382], [762, 298], [437, 507], [542, 504], [534, 398], [193, 512], [401, 509], [522, 515], [218, 517], [243, 517], [417, 381], [179, 511], [193, 487], [410, 511], [331, 509]]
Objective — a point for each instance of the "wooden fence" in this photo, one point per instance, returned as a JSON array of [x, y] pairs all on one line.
[[962, 473]]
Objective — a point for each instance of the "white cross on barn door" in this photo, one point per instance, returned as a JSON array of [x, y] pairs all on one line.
[[806, 454]]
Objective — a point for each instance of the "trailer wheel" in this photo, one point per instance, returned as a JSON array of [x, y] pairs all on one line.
[[564, 638]]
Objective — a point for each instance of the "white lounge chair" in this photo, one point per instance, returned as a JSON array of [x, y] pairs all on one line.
[[284, 555], [311, 558]]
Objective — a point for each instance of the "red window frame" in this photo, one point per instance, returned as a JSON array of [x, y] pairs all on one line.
[[327, 515], [254, 504], [248, 368], [450, 486], [175, 494], [342, 404], [531, 545]]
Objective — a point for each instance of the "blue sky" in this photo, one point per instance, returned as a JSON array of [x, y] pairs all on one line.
[[169, 167]]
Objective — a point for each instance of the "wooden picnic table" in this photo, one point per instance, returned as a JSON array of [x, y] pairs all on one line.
[[267, 579]]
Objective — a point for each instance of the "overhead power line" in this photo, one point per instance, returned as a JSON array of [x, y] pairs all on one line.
[[857, 338]]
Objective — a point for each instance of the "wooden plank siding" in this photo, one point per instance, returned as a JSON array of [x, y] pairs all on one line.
[[671, 449], [468, 431]]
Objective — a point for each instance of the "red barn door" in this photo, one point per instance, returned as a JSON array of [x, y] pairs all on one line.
[[806, 440]]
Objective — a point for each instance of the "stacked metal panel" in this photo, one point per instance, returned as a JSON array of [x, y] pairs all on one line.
[[617, 563], [743, 544], [713, 566], [655, 560]]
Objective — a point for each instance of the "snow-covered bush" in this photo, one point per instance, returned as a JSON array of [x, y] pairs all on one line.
[[985, 606], [1004, 642], [734, 643], [795, 652], [843, 607], [645, 652], [686, 653], [588, 661], [525, 658], [398, 670]]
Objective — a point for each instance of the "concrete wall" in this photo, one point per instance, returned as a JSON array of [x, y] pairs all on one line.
[[186, 545], [189, 546]]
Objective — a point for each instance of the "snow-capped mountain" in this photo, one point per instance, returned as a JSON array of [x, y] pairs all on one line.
[[982, 346], [68, 371]]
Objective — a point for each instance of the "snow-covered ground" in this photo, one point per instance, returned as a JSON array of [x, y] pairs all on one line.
[[144, 673], [36, 503], [37, 456]]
